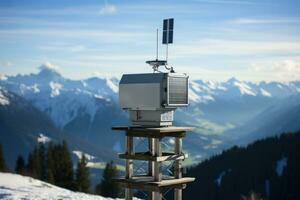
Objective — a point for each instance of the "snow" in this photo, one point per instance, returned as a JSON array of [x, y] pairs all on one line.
[[195, 86], [171, 141], [43, 139], [244, 88], [13, 186], [265, 93], [112, 86], [32, 88], [193, 96], [3, 99], [80, 153], [280, 165], [3, 77], [55, 87]]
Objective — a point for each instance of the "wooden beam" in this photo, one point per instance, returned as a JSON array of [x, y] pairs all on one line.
[[148, 157], [157, 165], [136, 133], [157, 132], [151, 155], [154, 129], [148, 184]]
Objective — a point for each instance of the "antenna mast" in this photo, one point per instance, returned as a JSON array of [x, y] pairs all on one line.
[[167, 38]]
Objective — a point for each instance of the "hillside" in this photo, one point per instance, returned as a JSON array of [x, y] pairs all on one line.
[[22, 126], [13, 186], [269, 167]]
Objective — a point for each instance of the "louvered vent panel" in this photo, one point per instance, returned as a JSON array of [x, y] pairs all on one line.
[[178, 93]]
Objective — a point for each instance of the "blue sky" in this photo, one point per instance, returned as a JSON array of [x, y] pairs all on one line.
[[252, 40]]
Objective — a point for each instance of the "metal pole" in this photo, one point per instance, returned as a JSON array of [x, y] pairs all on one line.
[[167, 53], [156, 44]]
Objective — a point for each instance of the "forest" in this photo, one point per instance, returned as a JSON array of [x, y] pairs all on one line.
[[268, 169]]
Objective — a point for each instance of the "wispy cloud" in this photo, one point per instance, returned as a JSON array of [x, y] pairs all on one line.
[[6, 64], [241, 2], [284, 70], [108, 9], [235, 47], [245, 21], [63, 47], [100, 35]]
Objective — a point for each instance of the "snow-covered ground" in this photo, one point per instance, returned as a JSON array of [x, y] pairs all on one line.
[[13, 186]]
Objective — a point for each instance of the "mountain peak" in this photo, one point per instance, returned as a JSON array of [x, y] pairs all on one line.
[[232, 80], [47, 70]]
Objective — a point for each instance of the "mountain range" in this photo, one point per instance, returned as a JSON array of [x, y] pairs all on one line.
[[83, 111]]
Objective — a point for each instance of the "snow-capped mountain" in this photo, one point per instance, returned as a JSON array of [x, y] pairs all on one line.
[[86, 109], [13, 186], [62, 99]]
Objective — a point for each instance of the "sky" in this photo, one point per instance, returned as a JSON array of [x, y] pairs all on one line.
[[252, 40]]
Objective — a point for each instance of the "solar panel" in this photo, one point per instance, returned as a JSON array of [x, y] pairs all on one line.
[[168, 26], [165, 26]]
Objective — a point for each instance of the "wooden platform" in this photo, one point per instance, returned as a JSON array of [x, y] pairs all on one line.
[[154, 132], [147, 183], [148, 157]]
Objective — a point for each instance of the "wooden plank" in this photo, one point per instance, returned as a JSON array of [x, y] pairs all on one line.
[[147, 184], [157, 132], [163, 129], [148, 157], [137, 133], [173, 182]]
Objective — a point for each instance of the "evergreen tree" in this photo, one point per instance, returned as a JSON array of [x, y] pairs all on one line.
[[34, 164], [108, 187], [43, 162], [2, 161], [63, 166], [50, 164], [82, 176], [20, 165]]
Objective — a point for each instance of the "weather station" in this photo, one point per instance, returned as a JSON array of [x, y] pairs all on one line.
[[151, 99]]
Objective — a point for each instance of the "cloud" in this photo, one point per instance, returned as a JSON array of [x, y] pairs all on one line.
[[108, 9], [284, 70], [6, 64], [235, 47], [48, 66], [63, 47], [248, 21], [243, 2], [101, 35]]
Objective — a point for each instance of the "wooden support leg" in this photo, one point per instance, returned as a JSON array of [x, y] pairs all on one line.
[[129, 165], [157, 167], [151, 165], [177, 169], [157, 196]]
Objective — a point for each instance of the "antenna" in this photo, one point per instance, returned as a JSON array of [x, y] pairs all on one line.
[[167, 38]]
